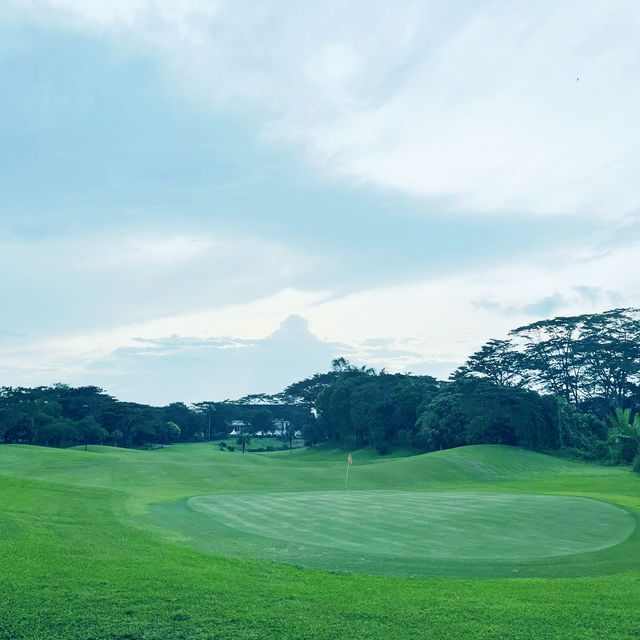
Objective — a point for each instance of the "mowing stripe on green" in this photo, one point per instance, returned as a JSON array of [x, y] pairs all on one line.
[[426, 525]]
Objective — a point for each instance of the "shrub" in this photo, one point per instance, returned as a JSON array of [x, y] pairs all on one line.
[[623, 451], [383, 448], [230, 447]]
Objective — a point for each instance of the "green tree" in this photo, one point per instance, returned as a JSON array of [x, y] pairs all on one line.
[[260, 420], [554, 355], [90, 431], [208, 409], [243, 440], [583, 432], [116, 436], [288, 434], [442, 424], [187, 419], [622, 427], [80, 402], [611, 343], [585, 359], [56, 431], [139, 423], [499, 361], [172, 431]]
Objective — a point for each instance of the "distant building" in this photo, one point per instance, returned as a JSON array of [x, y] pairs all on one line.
[[237, 427], [280, 426]]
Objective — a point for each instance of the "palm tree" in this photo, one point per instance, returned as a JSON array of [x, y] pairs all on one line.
[[623, 427], [243, 440]]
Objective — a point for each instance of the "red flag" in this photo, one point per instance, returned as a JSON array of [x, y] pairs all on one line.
[[350, 459]]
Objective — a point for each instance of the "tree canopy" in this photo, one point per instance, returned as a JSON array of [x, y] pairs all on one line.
[[553, 384]]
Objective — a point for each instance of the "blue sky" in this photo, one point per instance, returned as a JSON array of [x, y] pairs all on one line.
[[204, 199]]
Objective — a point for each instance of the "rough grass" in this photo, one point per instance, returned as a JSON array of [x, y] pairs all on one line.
[[79, 559]]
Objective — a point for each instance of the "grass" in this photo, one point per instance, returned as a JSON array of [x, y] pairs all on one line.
[[411, 533], [260, 442], [109, 543]]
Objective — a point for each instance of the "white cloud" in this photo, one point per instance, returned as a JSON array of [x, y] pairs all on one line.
[[101, 279], [480, 108], [248, 320], [428, 326], [496, 119], [193, 343], [160, 250], [479, 105], [178, 16], [441, 317]]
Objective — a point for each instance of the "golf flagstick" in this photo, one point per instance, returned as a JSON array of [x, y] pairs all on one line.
[[349, 463]]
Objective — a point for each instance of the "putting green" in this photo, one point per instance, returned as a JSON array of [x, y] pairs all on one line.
[[418, 525]]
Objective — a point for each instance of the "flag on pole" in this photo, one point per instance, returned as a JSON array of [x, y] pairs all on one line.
[[346, 478]]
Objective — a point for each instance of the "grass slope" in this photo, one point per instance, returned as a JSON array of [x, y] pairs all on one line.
[[80, 559]]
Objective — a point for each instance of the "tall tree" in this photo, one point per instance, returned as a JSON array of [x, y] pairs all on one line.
[[207, 409], [554, 355], [442, 424], [611, 346], [90, 431], [499, 361], [260, 420]]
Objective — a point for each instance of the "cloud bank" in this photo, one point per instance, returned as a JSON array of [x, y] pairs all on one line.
[[411, 179], [500, 107]]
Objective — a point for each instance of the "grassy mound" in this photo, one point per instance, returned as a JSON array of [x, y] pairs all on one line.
[[105, 544]]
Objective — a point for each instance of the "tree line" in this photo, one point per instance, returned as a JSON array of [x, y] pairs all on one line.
[[566, 383], [591, 361], [63, 416], [357, 407]]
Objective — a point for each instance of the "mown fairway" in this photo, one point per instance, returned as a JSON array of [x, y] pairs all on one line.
[[190, 542]]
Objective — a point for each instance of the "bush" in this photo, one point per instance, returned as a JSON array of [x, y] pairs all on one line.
[[383, 448], [594, 450], [623, 452], [270, 448], [230, 448], [636, 464]]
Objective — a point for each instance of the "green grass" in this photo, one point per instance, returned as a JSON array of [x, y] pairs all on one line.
[[412, 533], [259, 442], [111, 543]]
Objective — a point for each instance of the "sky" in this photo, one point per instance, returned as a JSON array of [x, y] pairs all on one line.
[[202, 199]]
